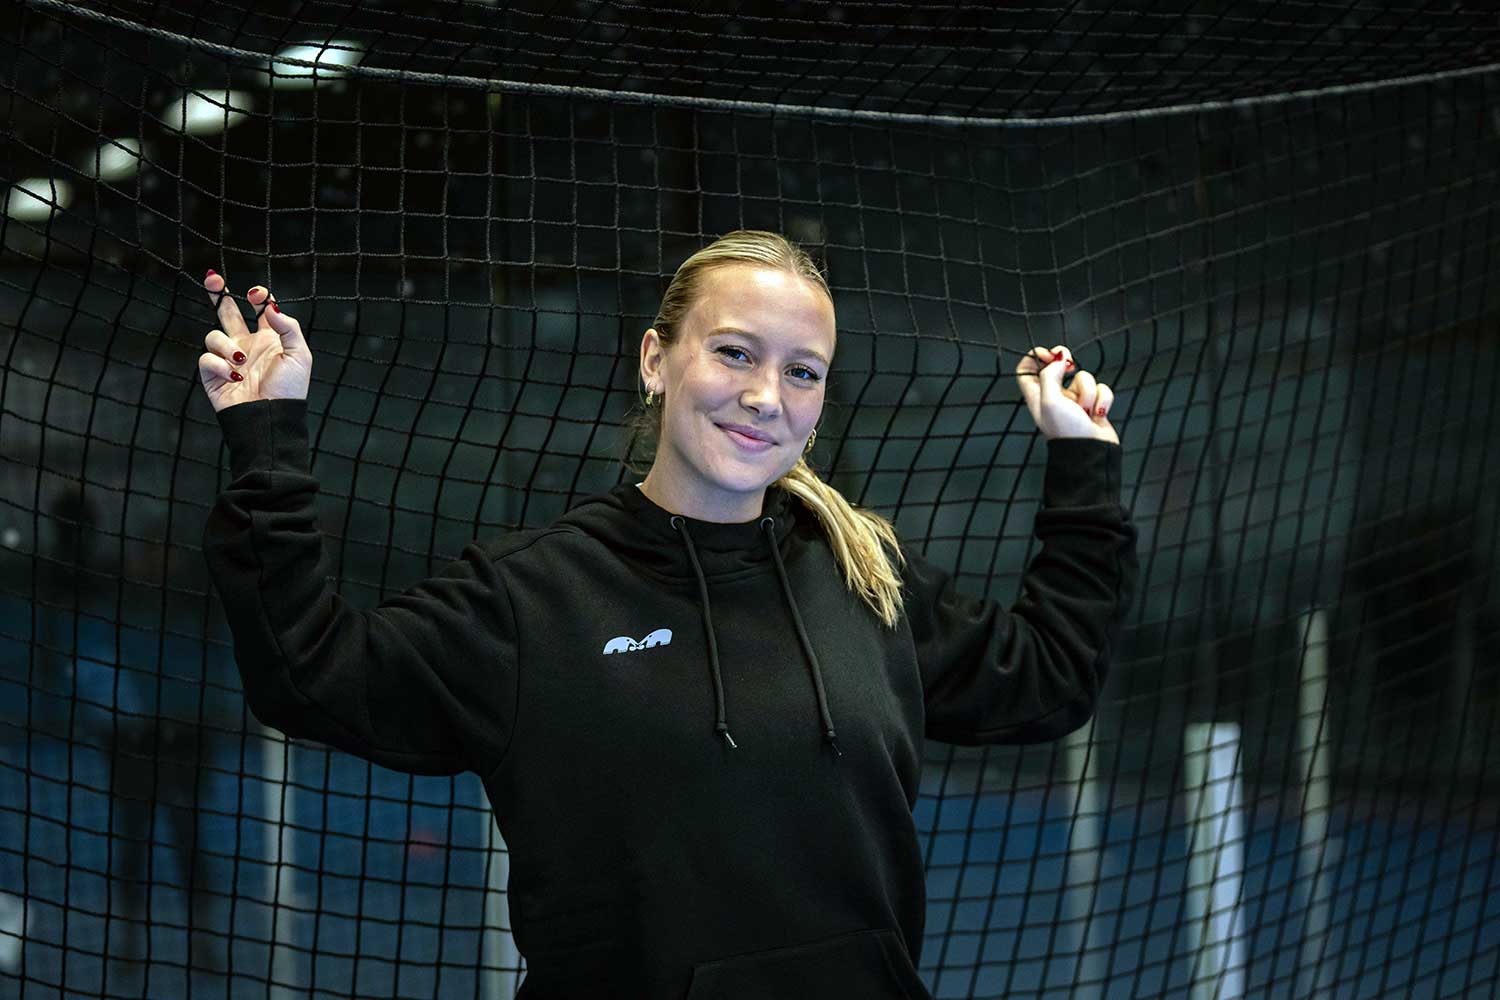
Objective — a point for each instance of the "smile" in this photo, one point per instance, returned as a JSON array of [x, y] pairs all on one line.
[[747, 442]]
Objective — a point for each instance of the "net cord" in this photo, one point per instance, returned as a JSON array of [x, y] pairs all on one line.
[[766, 107]]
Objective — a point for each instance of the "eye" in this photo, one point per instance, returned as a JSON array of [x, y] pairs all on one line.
[[811, 375]]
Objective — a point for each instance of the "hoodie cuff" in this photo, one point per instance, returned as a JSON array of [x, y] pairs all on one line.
[[1081, 472], [266, 434]]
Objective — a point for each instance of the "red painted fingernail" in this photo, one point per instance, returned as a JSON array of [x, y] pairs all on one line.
[[275, 308], [236, 377], [210, 274], [239, 359], [1100, 411], [1069, 365]]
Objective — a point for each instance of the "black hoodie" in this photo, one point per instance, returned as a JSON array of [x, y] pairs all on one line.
[[702, 749]]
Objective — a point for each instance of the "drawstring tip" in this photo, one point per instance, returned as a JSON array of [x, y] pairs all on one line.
[[726, 735], [829, 736]]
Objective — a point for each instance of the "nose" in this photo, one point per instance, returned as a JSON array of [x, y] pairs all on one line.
[[763, 394]]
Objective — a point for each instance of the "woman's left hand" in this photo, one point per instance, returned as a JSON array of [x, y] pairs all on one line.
[[1079, 411]]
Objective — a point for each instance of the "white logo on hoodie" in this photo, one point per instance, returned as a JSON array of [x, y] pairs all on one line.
[[625, 644]]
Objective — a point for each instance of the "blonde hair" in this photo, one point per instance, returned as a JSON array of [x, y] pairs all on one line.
[[862, 541]]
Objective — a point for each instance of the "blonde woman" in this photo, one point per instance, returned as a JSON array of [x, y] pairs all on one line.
[[697, 701]]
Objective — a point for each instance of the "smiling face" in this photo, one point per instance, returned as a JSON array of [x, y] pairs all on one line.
[[752, 351]]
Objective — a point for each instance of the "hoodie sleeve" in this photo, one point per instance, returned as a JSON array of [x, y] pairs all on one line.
[[1033, 673], [425, 683]]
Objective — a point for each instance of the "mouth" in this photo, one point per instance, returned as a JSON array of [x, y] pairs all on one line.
[[745, 441]]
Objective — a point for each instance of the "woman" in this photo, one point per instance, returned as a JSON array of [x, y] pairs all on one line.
[[697, 702]]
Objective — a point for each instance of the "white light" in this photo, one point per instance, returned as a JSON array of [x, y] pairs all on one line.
[[15, 923], [35, 198], [1216, 862], [114, 160], [207, 112], [328, 57]]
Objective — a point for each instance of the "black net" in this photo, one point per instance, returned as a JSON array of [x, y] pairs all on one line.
[[1271, 227]]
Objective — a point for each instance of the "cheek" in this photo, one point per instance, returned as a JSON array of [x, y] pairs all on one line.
[[704, 383], [810, 409]]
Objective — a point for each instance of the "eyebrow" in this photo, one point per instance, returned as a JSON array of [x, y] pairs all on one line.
[[799, 352]]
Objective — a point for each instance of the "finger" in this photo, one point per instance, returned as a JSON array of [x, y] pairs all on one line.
[[224, 304], [1050, 377], [1059, 351], [1084, 390], [288, 329], [218, 343], [1106, 400], [1040, 357], [260, 298], [1034, 360], [214, 371]]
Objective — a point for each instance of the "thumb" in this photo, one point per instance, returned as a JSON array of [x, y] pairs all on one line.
[[289, 330], [1050, 379]]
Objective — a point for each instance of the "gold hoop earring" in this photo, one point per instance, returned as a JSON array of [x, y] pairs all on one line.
[[810, 439], [650, 395]]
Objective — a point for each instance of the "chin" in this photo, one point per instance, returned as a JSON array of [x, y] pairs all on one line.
[[746, 478], [744, 483]]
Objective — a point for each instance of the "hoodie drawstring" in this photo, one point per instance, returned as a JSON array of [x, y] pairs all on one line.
[[817, 674], [720, 725]]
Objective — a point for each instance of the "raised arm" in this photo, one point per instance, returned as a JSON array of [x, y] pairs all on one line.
[[425, 683], [1032, 673]]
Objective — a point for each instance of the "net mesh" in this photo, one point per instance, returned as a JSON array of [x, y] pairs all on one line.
[[1269, 226]]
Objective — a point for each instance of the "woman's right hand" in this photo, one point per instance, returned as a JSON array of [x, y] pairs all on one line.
[[274, 360]]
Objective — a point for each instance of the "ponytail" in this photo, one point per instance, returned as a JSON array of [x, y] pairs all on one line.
[[859, 539]]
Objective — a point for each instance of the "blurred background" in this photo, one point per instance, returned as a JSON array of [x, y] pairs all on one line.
[[1270, 227]]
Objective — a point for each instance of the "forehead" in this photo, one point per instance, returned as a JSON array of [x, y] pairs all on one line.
[[764, 300]]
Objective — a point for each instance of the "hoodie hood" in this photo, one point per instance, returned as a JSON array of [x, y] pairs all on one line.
[[675, 547], [637, 530]]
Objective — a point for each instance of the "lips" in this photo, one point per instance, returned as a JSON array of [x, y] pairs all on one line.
[[753, 436], [745, 441]]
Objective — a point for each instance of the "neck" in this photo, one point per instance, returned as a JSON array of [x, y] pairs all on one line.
[[730, 508]]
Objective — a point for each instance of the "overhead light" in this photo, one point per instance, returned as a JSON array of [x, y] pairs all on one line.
[[33, 199], [114, 159], [327, 57], [204, 112]]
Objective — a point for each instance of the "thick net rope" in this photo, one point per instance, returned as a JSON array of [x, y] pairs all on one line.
[[1272, 227]]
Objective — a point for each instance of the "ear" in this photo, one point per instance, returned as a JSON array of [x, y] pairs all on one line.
[[651, 356]]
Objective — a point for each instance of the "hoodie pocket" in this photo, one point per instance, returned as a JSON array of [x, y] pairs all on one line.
[[869, 964]]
